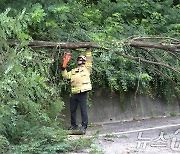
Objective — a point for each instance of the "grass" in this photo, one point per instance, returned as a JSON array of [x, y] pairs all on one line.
[[96, 149], [115, 136], [173, 114]]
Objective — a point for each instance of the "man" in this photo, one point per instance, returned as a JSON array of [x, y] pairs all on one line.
[[80, 85]]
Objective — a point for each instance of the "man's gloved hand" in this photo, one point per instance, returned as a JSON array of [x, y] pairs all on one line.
[[66, 59]]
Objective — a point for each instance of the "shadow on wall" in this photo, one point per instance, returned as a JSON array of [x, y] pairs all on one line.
[[112, 107]]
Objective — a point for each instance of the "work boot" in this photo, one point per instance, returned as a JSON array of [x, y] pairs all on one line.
[[83, 129], [73, 127]]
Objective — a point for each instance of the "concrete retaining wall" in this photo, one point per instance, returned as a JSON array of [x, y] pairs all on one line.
[[107, 107]]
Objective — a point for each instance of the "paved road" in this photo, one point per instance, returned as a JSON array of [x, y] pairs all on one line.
[[150, 136]]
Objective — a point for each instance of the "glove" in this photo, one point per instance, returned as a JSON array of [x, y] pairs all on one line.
[[66, 59]]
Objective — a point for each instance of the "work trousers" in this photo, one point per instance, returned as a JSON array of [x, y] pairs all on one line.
[[81, 99]]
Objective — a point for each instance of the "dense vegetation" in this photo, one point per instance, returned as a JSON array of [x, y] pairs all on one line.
[[31, 86]]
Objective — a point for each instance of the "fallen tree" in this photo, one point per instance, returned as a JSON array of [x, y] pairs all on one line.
[[147, 44], [135, 42], [173, 46], [138, 42]]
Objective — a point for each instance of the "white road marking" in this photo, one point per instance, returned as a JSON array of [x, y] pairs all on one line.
[[139, 130]]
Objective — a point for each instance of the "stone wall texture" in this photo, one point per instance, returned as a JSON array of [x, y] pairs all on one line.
[[112, 107]]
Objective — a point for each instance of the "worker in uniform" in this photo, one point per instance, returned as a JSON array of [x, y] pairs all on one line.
[[80, 85]]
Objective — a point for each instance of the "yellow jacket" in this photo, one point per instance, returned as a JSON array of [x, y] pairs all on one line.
[[80, 76]]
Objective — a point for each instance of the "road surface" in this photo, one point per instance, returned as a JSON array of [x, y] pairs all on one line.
[[150, 136]]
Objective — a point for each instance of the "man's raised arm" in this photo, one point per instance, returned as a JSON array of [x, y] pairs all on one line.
[[89, 60]]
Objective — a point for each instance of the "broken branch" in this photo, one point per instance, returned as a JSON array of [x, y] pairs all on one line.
[[63, 45], [163, 46], [134, 43]]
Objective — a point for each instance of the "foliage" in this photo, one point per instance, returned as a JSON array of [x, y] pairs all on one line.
[[49, 140], [4, 144], [31, 85]]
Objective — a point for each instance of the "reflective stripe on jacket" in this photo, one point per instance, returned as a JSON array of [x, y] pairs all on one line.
[[80, 76]]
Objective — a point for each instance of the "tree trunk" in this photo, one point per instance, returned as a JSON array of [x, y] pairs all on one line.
[[68, 45]]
